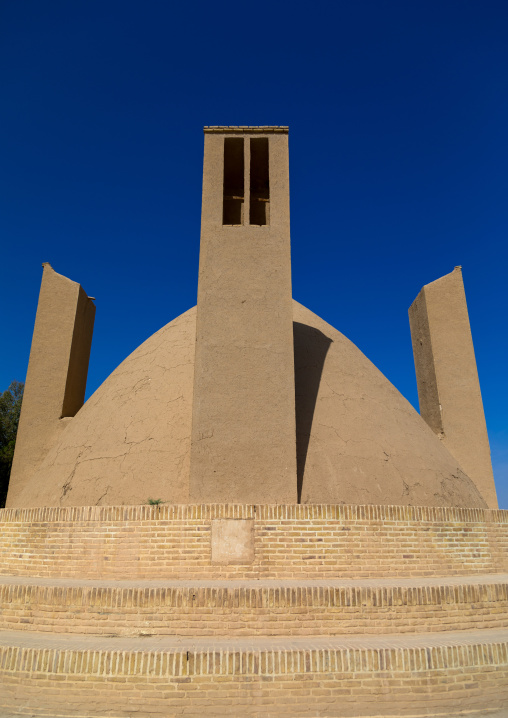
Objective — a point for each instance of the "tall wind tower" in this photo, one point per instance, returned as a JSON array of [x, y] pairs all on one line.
[[243, 427]]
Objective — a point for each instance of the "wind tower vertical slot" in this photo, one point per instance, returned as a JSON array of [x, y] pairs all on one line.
[[259, 182], [234, 193]]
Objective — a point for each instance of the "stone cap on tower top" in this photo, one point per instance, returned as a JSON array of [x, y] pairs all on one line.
[[246, 128]]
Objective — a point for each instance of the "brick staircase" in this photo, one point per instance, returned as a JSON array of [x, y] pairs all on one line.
[[339, 611]]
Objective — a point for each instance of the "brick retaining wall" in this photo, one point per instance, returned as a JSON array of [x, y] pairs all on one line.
[[297, 611], [402, 682], [295, 541]]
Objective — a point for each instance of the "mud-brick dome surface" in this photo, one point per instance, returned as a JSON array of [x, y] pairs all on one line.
[[359, 441]]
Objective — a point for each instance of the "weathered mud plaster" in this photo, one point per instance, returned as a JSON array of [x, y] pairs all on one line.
[[447, 377], [362, 442], [57, 371]]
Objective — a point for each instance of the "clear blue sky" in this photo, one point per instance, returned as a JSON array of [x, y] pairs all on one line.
[[398, 117]]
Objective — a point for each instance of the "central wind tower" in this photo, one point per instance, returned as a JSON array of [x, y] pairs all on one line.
[[243, 428]]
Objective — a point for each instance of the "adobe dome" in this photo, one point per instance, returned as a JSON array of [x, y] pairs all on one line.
[[358, 440]]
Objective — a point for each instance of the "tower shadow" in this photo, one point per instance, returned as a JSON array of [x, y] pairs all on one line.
[[310, 349]]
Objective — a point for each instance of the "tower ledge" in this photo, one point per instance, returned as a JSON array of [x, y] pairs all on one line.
[[246, 128]]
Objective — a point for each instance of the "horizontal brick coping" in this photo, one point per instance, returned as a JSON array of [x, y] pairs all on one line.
[[490, 579], [170, 655], [250, 129], [262, 512]]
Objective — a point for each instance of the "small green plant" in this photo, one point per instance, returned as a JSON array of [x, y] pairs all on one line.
[[155, 502]]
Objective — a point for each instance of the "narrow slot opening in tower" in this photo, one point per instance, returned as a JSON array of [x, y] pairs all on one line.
[[259, 182], [232, 212]]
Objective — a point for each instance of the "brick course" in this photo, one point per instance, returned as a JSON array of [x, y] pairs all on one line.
[[401, 682], [296, 541], [280, 611]]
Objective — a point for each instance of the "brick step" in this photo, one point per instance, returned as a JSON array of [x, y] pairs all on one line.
[[419, 675], [254, 608], [273, 542]]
